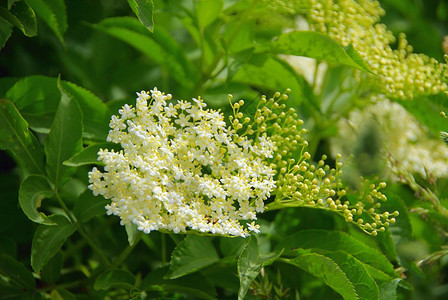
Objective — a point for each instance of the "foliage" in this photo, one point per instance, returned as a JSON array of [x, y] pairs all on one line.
[[223, 197]]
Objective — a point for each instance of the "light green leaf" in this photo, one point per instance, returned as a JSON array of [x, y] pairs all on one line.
[[52, 12], [48, 240], [132, 232], [326, 269], [319, 46], [89, 155], [5, 32], [334, 241], [144, 10], [64, 139], [15, 137], [114, 278], [192, 284], [16, 272], [207, 11], [363, 283], [193, 253], [22, 16], [89, 206], [32, 191], [388, 290], [250, 264], [159, 47]]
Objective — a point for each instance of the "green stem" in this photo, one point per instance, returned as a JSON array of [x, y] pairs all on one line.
[[163, 241], [125, 253]]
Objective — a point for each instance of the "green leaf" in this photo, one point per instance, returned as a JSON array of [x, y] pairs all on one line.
[[89, 206], [32, 191], [388, 290], [64, 139], [363, 283], [22, 16], [5, 32], [426, 109], [159, 47], [37, 97], [48, 240], [52, 270], [250, 264], [193, 253], [326, 269], [61, 294], [207, 11], [16, 272], [144, 10], [52, 12], [89, 155], [114, 278], [334, 241], [319, 46], [15, 137], [132, 232], [192, 284]]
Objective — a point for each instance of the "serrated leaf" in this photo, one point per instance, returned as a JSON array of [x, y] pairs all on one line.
[[52, 12], [89, 206], [207, 11], [326, 269], [64, 139], [114, 278], [5, 32], [15, 137], [16, 272], [159, 46], [193, 253], [38, 97], [363, 283], [22, 16], [48, 240], [192, 284], [89, 155], [250, 263], [319, 46], [335, 240], [144, 10], [33, 190], [388, 290]]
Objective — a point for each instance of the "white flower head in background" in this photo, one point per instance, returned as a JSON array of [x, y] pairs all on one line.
[[182, 169]]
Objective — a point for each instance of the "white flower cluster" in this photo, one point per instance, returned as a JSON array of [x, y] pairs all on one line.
[[182, 169]]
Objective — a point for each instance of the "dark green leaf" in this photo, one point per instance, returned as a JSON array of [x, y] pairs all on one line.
[[89, 155], [48, 240], [32, 191], [334, 241], [16, 272], [388, 290], [192, 284], [232, 246], [250, 263], [15, 137], [207, 11], [154, 46], [5, 32], [319, 46], [326, 269], [52, 270], [114, 278], [22, 16], [89, 206], [144, 10], [52, 12], [64, 139], [193, 253]]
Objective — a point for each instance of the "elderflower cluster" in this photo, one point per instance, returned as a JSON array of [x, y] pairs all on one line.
[[402, 74], [182, 169], [301, 183], [413, 148]]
